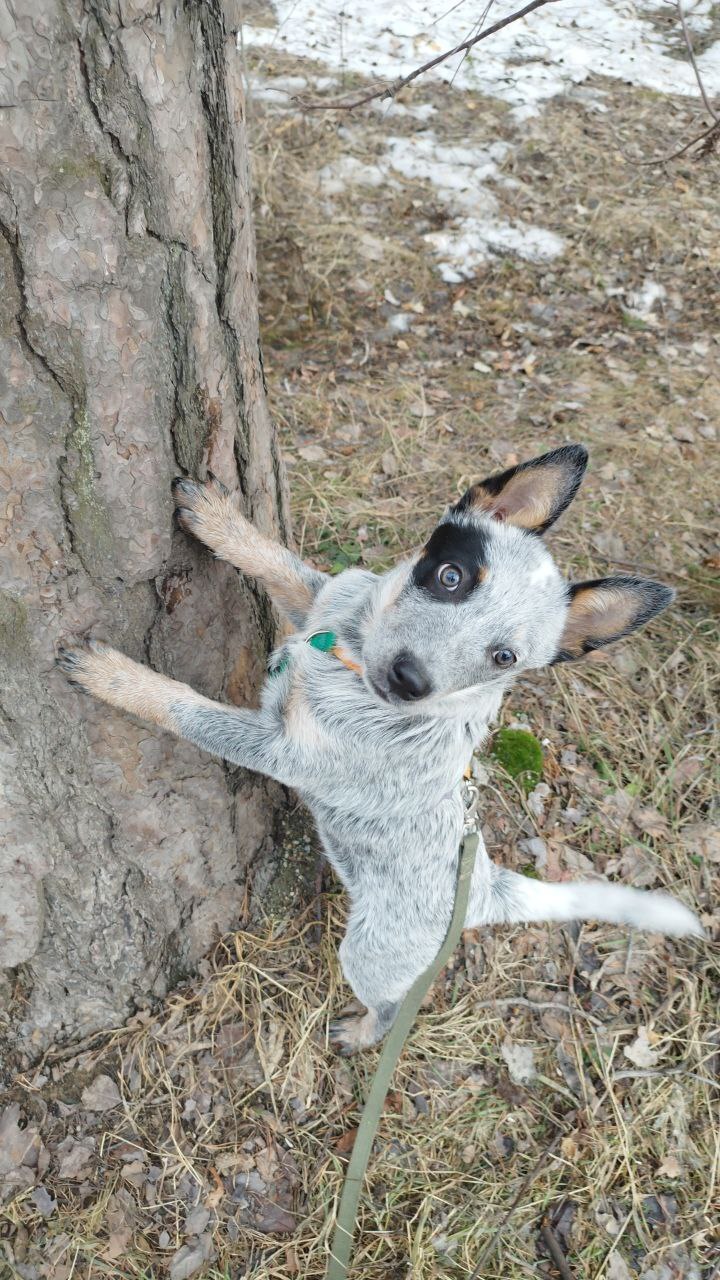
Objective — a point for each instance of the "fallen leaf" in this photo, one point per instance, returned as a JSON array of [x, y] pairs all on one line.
[[569, 1147], [637, 866], [231, 1160], [670, 1168], [272, 1219], [617, 1268], [606, 1217], [117, 1244], [520, 1060], [101, 1095], [648, 819], [702, 839], [196, 1221], [537, 849], [346, 1141], [134, 1172], [609, 544], [75, 1156], [660, 1212], [312, 453], [617, 808], [43, 1202], [271, 1042], [18, 1146], [537, 800], [678, 1265], [563, 1221], [190, 1258], [686, 771], [640, 1051], [267, 1163]]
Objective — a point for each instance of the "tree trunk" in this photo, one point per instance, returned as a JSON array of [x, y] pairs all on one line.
[[130, 351]]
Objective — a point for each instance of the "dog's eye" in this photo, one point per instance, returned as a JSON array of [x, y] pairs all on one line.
[[504, 658], [449, 576]]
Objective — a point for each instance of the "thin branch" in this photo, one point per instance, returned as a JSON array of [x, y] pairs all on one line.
[[391, 90], [554, 1248], [711, 135], [529, 1178], [691, 54], [538, 1006]]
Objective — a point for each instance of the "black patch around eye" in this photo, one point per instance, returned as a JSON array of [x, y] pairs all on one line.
[[459, 545]]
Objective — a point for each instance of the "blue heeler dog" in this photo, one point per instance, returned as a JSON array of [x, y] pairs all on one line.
[[374, 705]]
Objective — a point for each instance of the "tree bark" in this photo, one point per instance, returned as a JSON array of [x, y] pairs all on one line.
[[130, 351]]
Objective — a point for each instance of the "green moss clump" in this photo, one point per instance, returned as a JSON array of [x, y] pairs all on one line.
[[520, 755]]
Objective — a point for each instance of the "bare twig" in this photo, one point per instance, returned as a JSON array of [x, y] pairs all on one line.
[[711, 135], [691, 54], [538, 1006], [552, 1244], [529, 1178], [390, 90]]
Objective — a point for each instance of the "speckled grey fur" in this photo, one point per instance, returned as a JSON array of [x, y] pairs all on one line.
[[382, 776]]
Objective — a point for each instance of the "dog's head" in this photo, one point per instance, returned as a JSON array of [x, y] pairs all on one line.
[[483, 600]]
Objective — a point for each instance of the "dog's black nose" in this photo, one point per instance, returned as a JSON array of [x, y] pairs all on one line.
[[407, 679]]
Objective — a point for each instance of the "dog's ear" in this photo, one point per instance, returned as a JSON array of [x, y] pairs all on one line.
[[607, 609], [532, 495]]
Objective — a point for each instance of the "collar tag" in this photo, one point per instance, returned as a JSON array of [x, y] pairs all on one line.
[[325, 641]]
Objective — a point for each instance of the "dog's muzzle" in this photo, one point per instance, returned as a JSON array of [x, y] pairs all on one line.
[[407, 679]]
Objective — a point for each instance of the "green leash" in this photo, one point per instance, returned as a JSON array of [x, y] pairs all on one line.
[[339, 1261]]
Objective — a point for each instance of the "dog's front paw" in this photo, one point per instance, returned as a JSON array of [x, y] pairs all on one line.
[[353, 1032], [202, 507], [107, 674], [84, 663]]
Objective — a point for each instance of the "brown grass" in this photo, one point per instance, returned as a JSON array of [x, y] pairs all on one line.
[[232, 1078]]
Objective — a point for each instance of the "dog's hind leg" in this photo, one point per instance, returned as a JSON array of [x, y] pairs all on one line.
[[511, 898], [352, 1032], [381, 959], [211, 513]]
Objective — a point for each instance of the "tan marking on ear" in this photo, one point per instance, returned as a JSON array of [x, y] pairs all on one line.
[[301, 725], [597, 614], [217, 522], [527, 500]]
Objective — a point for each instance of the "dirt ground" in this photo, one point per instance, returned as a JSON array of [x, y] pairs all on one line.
[[561, 1077]]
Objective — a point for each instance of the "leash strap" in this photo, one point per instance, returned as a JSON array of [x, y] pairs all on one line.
[[339, 1261]]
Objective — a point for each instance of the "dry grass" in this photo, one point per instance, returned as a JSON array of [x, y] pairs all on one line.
[[231, 1101]]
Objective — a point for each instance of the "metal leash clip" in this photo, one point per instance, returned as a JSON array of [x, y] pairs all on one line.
[[471, 800]]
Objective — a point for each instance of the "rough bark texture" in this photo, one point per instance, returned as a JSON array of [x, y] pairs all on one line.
[[129, 335]]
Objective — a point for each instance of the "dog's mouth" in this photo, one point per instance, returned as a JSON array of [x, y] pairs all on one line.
[[377, 689]]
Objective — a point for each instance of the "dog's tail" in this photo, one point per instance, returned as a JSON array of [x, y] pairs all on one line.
[[514, 898]]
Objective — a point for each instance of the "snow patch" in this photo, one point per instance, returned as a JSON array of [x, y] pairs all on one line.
[[348, 171], [462, 251], [552, 51], [525, 64], [642, 301]]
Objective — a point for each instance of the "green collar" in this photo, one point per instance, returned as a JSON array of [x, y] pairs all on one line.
[[326, 642]]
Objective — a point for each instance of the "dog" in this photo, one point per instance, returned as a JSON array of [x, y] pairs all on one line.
[[374, 705]]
